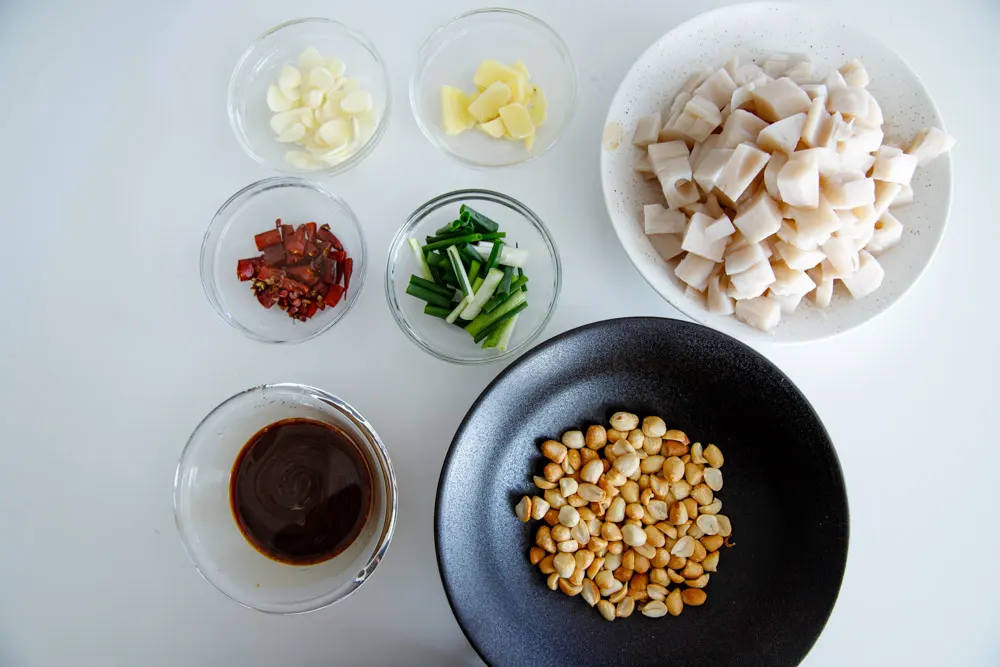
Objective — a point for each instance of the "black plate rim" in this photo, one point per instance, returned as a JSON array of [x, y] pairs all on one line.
[[551, 342]]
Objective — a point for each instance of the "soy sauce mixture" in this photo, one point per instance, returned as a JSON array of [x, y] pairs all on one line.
[[300, 491]]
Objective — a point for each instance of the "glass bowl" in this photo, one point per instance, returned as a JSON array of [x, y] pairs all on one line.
[[451, 55], [204, 517], [543, 269], [230, 237], [258, 68]]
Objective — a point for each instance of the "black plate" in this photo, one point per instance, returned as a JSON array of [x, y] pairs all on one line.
[[784, 492]]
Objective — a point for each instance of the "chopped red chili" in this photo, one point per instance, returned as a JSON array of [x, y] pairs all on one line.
[[247, 268], [295, 243], [325, 234], [268, 238], [274, 255], [348, 270], [303, 269]]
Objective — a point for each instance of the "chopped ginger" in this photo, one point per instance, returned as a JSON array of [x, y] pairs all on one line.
[[504, 104]]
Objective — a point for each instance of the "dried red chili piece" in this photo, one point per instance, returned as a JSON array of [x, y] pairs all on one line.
[[325, 234], [332, 296], [265, 298], [301, 269], [303, 274], [327, 273], [268, 238], [269, 273], [295, 243], [274, 255], [348, 270], [293, 286], [246, 269]]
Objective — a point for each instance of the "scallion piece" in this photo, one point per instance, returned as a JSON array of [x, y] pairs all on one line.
[[479, 221], [418, 255], [508, 256], [459, 268], [433, 298], [484, 320], [494, 258], [483, 294], [500, 296], [453, 315], [468, 255], [508, 275], [468, 238], [474, 270], [436, 311], [500, 321], [429, 285], [506, 331], [452, 227], [438, 279]]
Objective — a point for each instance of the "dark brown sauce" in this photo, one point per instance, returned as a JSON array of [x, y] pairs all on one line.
[[300, 491]]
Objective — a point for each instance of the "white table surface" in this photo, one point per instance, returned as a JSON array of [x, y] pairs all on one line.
[[117, 151]]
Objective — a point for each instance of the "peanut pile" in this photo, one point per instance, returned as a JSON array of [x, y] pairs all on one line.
[[631, 519]]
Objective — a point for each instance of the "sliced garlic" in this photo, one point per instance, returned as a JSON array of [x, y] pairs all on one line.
[[306, 117], [336, 67], [356, 102], [282, 121], [334, 133], [313, 99], [276, 100], [294, 133], [321, 78], [311, 57], [289, 81], [317, 108]]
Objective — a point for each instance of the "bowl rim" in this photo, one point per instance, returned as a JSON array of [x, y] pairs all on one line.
[[330, 170], [423, 55], [388, 477], [453, 197], [745, 332], [533, 355], [206, 259]]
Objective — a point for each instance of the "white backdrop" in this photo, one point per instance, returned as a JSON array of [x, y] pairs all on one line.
[[117, 152]]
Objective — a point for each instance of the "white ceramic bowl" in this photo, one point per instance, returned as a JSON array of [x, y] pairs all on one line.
[[752, 31]]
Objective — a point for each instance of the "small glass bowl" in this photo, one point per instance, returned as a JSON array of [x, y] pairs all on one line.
[[229, 238], [258, 68], [208, 530], [544, 271], [451, 55]]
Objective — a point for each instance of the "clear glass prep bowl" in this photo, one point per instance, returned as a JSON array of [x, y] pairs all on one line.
[[544, 271], [230, 237], [209, 532], [450, 57], [258, 68]]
